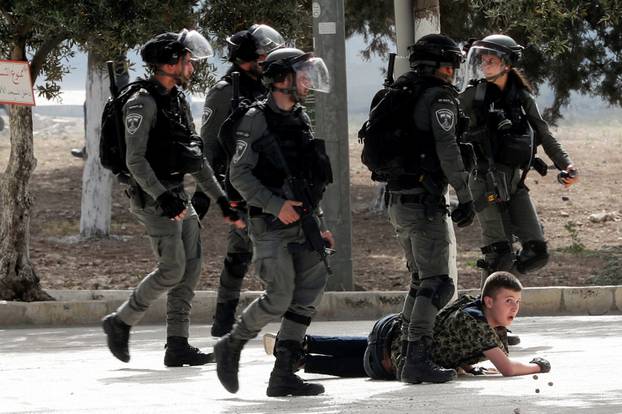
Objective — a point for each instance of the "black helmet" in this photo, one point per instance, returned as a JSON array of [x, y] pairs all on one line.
[[280, 62], [504, 46], [309, 72], [435, 50], [167, 48], [248, 45]]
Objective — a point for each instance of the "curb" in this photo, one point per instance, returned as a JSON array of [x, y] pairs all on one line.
[[87, 307]]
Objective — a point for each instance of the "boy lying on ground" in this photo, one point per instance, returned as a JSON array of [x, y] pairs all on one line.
[[466, 332]]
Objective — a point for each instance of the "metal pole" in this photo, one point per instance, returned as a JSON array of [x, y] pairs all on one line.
[[404, 33], [331, 124]]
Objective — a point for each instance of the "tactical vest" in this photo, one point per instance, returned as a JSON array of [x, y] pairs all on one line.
[[305, 156], [514, 144], [173, 149]]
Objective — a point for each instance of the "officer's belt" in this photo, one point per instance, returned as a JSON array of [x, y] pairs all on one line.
[[408, 198]]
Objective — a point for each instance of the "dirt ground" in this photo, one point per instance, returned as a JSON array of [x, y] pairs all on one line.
[[584, 252]]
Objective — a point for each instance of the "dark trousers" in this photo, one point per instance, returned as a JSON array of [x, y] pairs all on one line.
[[341, 356]]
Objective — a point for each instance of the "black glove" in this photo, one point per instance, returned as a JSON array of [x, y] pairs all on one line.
[[464, 214], [172, 205], [545, 366], [201, 203], [227, 211]]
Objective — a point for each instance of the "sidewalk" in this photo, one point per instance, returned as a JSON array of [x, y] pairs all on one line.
[[87, 307], [70, 370]]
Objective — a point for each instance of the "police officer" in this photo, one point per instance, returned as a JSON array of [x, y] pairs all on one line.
[[162, 146], [417, 206], [294, 276], [247, 49], [506, 128]]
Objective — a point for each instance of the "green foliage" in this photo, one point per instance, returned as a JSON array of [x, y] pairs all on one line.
[[577, 246], [292, 18], [45, 31], [574, 45], [374, 21]]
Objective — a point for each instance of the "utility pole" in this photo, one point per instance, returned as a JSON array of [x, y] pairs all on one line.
[[331, 125]]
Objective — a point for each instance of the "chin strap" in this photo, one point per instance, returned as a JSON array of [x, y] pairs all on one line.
[[497, 76], [289, 91]]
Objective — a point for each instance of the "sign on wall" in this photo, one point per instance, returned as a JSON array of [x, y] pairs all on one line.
[[15, 83]]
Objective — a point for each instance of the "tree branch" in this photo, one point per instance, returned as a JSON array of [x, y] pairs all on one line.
[[36, 65]]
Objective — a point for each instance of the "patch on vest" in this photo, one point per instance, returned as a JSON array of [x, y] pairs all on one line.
[[207, 114], [240, 149], [132, 122], [445, 118]]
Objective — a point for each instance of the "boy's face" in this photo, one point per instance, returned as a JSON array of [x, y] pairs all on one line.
[[503, 307]]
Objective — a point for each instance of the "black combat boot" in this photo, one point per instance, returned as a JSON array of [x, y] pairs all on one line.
[[402, 360], [118, 334], [224, 318], [283, 381], [227, 352], [179, 353], [419, 367]]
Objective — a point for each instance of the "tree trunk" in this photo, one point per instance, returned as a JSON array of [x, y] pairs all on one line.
[[18, 280], [427, 18], [96, 180]]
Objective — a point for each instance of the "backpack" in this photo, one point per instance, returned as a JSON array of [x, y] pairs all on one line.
[[379, 347], [390, 124], [226, 134], [112, 135]]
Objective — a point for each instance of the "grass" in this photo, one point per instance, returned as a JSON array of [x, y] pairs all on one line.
[[611, 273]]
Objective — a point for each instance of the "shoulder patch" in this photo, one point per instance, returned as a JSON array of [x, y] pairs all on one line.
[[132, 122], [207, 113], [240, 149], [445, 118]]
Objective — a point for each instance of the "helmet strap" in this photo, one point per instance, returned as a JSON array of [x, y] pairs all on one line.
[[498, 75], [292, 91]]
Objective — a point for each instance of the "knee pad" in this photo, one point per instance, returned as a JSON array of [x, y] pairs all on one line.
[[533, 256], [295, 317], [237, 264], [499, 256], [439, 289]]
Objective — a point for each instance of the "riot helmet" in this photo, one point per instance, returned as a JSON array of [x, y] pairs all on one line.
[[434, 51], [249, 45], [491, 58], [309, 72], [167, 48]]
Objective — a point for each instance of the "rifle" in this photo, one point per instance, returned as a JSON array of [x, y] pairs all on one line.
[[298, 189], [388, 81], [495, 192], [235, 83]]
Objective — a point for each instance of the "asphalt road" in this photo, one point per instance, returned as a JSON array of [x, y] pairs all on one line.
[[70, 370]]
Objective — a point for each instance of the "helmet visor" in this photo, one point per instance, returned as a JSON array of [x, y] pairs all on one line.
[[312, 74], [482, 63], [266, 38], [196, 44]]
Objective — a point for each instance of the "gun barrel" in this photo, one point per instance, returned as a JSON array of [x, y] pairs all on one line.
[[390, 69], [113, 79], [235, 83]]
